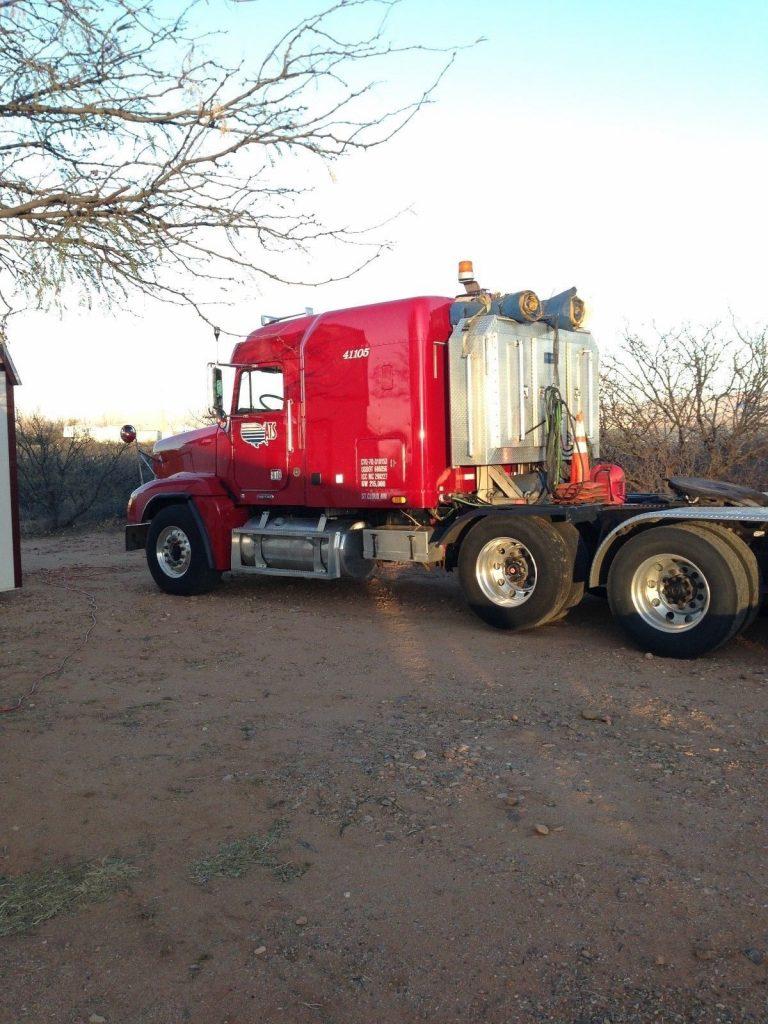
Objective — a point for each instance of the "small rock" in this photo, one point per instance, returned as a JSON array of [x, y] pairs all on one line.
[[96, 1018], [704, 951], [419, 755], [260, 950], [541, 830], [648, 656], [301, 921], [595, 716], [660, 961], [512, 800], [347, 895], [757, 956]]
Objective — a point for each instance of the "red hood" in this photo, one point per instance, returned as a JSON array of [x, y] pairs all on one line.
[[193, 452]]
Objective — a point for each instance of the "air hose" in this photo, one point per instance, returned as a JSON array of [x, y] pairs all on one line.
[[553, 427]]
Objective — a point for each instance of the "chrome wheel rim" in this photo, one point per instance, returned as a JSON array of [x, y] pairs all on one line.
[[506, 572], [670, 593], [173, 551]]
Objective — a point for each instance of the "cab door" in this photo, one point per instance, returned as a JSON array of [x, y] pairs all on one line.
[[260, 425]]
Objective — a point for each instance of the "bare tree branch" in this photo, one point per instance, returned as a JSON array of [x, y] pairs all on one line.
[[133, 160], [688, 403]]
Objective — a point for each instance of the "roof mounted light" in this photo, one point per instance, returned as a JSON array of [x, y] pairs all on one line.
[[467, 277]]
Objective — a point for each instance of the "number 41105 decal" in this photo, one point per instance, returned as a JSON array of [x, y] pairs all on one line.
[[356, 353]]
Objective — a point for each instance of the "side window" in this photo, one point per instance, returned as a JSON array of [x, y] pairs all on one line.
[[261, 390]]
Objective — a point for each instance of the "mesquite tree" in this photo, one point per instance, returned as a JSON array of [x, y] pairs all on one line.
[[132, 158], [688, 403], [66, 477]]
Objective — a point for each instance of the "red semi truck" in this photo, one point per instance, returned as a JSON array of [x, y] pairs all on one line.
[[453, 433]]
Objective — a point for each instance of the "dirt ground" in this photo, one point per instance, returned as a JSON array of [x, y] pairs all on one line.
[[465, 825]]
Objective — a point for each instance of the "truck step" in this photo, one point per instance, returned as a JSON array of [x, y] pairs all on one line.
[[401, 544]]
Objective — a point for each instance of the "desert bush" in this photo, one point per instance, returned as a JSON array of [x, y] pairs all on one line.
[[688, 403], [69, 480]]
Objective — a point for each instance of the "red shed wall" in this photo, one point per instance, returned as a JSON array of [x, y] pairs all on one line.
[[10, 477]]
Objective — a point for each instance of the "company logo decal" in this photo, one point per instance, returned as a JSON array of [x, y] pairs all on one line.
[[258, 434]]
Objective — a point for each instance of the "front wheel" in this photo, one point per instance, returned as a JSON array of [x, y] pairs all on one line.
[[176, 553], [516, 572], [678, 591]]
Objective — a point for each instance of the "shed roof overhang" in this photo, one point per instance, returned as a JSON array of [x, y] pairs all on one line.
[[7, 364]]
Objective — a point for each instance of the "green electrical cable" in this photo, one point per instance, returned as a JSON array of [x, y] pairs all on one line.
[[554, 411]]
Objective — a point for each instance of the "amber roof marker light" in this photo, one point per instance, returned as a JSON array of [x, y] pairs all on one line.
[[467, 277]]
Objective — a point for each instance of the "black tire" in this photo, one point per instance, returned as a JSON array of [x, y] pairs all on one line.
[[578, 558], [546, 569], [746, 556], [176, 553], [700, 561]]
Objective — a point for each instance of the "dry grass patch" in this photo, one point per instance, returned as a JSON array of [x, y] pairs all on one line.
[[30, 899], [234, 858]]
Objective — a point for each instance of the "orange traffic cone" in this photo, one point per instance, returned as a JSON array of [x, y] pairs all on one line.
[[580, 468]]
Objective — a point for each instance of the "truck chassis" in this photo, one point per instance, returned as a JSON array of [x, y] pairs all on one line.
[[680, 579]]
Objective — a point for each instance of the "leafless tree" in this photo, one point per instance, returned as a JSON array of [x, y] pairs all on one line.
[[133, 159], [63, 480], [688, 403]]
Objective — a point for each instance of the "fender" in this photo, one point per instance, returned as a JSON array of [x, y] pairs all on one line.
[[452, 530], [215, 512], [181, 485], [754, 516]]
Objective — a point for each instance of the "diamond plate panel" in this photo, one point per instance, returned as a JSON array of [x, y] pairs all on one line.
[[498, 372]]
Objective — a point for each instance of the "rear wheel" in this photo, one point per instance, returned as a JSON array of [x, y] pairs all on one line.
[[678, 591], [515, 572], [176, 553], [748, 560]]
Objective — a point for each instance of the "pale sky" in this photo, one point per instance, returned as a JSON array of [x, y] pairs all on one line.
[[617, 146]]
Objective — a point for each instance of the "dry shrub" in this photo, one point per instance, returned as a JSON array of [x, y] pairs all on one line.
[[688, 403], [69, 480]]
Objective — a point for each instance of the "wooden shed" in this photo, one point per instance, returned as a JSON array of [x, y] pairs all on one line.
[[10, 550]]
